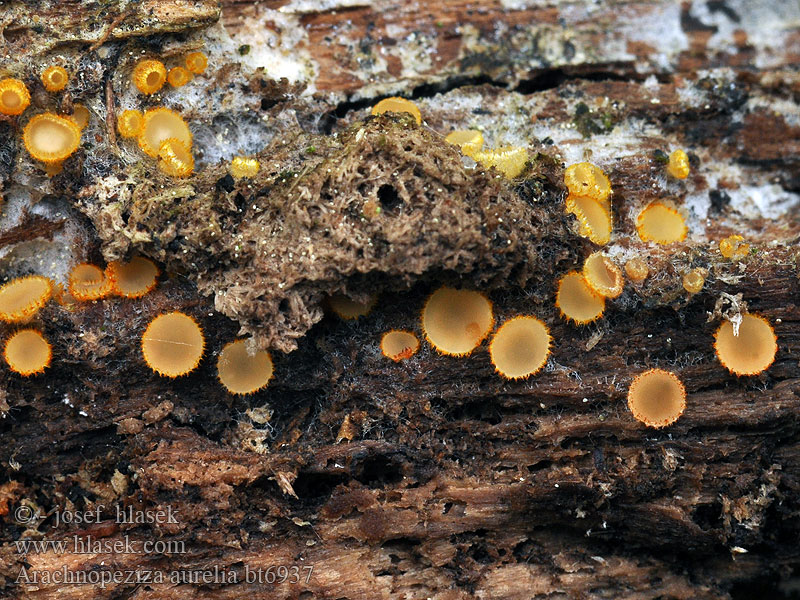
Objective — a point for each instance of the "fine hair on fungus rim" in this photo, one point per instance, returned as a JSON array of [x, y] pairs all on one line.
[[242, 373], [594, 218], [14, 96], [577, 301], [520, 347], [173, 344], [586, 179], [399, 345], [88, 282], [657, 398], [661, 224], [455, 321], [27, 352], [348, 309], [149, 76], [133, 279], [750, 352], [160, 124], [603, 276], [51, 138], [22, 298]]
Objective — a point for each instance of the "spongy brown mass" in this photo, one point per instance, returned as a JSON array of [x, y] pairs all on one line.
[[272, 248]]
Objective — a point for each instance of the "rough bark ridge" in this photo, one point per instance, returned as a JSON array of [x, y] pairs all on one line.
[[430, 478]]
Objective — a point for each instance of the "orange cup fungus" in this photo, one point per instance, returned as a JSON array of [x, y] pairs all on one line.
[[172, 344], [14, 96], [130, 123], [586, 179], [80, 116], [594, 218], [133, 279], [149, 76], [350, 309], [456, 321], [661, 224], [196, 62], [55, 78], [242, 166], [657, 398], [398, 105], [678, 165], [733, 246], [469, 140], [509, 161], [159, 125], [603, 276], [22, 298], [27, 352], [636, 269], [242, 373], [577, 301], [520, 347], [694, 280], [399, 345], [51, 138], [88, 282], [179, 76], [751, 351], [175, 158]]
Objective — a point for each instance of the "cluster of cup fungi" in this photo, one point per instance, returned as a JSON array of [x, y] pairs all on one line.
[[454, 321]]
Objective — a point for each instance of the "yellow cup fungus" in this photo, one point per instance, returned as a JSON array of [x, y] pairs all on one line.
[[594, 218], [751, 351], [657, 398], [243, 166], [350, 309], [160, 124], [14, 96], [179, 76], [456, 321], [133, 279], [733, 246], [149, 76], [661, 224], [242, 373], [469, 140], [129, 123], [577, 301], [175, 158], [509, 161], [603, 276], [678, 165], [694, 280], [196, 62], [399, 345], [172, 344], [27, 352], [88, 282], [80, 116], [22, 298], [520, 347], [586, 179], [55, 78], [636, 269], [51, 138], [399, 105]]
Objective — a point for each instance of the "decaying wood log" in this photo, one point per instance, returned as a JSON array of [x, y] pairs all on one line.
[[351, 476]]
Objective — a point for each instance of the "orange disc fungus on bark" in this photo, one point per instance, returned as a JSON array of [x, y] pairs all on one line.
[[350, 309], [469, 140], [133, 279], [80, 116], [661, 224], [55, 78], [694, 280], [509, 161], [242, 166], [51, 138], [196, 62], [27, 352], [456, 321], [657, 398], [179, 76], [636, 269], [399, 345], [22, 298], [751, 351], [594, 218], [88, 282], [129, 123], [175, 158], [678, 165], [14, 97], [242, 373], [577, 301], [172, 344], [520, 347], [733, 246], [149, 76], [159, 125], [603, 276], [396, 104], [586, 179]]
